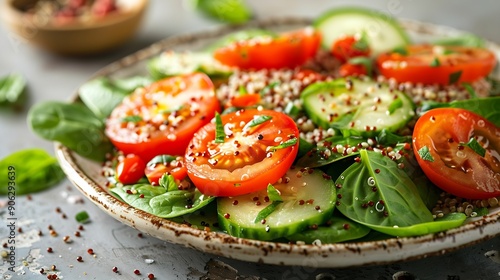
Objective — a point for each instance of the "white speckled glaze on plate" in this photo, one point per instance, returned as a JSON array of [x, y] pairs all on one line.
[[86, 176]]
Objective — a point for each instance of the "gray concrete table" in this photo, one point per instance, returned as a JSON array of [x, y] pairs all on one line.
[[113, 244]]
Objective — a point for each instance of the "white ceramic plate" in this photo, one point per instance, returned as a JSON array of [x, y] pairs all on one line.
[[86, 176]]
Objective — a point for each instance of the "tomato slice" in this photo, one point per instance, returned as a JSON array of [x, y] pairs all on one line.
[[288, 50], [249, 158], [161, 118], [356, 70], [348, 47], [130, 169], [165, 164], [449, 163], [428, 64]]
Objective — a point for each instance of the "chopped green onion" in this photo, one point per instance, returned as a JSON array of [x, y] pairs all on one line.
[[257, 120], [396, 104], [292, 110], [425, 154], [275, 198], [286, 144], [220, 135], [273, 193], [82, 217], [132, 119]]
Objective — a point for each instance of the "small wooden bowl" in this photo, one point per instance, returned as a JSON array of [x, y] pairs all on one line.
[[79, 37]]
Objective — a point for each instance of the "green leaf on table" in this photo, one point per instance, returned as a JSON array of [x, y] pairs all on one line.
[[12, 90], [158, 201], [229, 11], [82, 217], [377, 193], [73, 125], [28, 171]]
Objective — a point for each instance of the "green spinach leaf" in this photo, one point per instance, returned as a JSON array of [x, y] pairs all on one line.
[[12, 90], [28, 171], [160, 202], [486, 107], [337, 229], [449, 221], [102, 95], [375, 192], [73, 125], [230, 11]]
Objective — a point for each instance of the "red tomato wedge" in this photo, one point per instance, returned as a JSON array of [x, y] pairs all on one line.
[[348, 47], [130, 169], [162, 118], [165, 164], [250, 156], [288, 50], [428, 64], [440, 137]]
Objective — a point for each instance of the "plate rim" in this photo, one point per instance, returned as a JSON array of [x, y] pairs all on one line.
[[265, 251]]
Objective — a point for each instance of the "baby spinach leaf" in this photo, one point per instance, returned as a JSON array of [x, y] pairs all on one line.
[[12, 90], [73, 125], [31, 170], [201, 218], [230, 11], [102, 95], [160, 202], [376, 192], [168, 182], [486, 107], [449, 221], [466, 40], [337, 229]]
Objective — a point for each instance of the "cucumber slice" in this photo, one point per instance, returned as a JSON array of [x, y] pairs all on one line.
[[357, 107], [382, 31], [172, 63], [308, 199]]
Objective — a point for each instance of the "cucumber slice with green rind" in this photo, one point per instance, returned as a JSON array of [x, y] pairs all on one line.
[[383, 32], [308, 199], [357, 107]]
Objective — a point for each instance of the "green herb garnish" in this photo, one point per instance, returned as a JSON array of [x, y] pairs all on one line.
[[275, 199], [365, 61], [425, 154], [132, 119], [476, 147], [220, 135], [400, 50], [396, 104], [286, 144], [435, 62], [257, 120], [454, 77]]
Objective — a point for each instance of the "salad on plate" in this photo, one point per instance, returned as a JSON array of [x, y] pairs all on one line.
[[330, 133]]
